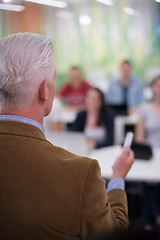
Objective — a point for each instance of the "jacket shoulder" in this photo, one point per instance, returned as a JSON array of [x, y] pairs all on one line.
[[63, 156]]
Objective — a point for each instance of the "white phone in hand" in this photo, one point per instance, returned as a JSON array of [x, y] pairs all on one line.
[[128, 140]]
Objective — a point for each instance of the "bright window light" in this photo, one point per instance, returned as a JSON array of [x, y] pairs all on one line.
[[85, 20], [6, 1], [106, 2], [12, 7], [130, 11], [53, 3], [157, 1]]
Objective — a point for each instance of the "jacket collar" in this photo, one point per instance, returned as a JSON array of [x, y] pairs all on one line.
[[20, 129]]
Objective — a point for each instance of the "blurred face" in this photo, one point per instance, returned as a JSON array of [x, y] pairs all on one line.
[[75, 77], [93, 100], [156, 89], [126, 70]]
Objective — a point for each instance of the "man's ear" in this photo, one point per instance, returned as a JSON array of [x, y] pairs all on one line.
[[44, 90]]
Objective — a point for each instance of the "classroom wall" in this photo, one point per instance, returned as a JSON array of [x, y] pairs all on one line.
[[112, 36]]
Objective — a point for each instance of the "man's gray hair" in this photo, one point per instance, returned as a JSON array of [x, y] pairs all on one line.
[[26, 59]]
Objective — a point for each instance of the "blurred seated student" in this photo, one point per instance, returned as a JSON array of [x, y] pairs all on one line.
[[97, 121], [73, 93], [148, 127], [148, 131], [53, 122], [127, 90]]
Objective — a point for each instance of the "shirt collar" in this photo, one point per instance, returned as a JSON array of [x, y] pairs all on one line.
[[130, 81], [23, 120]]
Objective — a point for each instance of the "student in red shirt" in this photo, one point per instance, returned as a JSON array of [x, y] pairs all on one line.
[[73, 93]]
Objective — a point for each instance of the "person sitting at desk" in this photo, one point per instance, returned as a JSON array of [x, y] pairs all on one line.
[[148, 130], [97, 121], [127, 90], [73, 93]]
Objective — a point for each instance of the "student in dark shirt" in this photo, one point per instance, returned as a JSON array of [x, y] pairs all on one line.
[[97, 121]]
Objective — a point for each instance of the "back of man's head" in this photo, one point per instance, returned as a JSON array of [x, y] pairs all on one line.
[[25, 61]]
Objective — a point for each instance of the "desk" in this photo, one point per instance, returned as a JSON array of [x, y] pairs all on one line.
[[147, 171]]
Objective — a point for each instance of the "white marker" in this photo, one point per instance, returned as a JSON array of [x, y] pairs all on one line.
[[128, 140]]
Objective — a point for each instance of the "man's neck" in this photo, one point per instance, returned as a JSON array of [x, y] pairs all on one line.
[[93, 112], [28, 113], [77, 85], [125, 81]]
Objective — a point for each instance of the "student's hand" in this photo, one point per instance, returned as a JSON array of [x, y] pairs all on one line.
[[71, 108], [123, 164], [91, 144], [75, 108]]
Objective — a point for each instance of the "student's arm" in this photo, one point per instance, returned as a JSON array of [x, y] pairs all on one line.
[[57, 126], [75, 108], [140, 131], [134, 110]]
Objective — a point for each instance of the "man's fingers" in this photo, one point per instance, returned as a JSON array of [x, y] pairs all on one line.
[[130, 154], [123, 163], [127, 153]]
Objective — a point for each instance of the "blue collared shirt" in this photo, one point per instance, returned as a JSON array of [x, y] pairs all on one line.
[[134, 96], [117, 183], [23, 120]]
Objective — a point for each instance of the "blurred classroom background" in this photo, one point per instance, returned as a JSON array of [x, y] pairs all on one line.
[[92, 34], [107, 55]]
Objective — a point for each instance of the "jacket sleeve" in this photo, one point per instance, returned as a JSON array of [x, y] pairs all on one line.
[[101, 212]]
